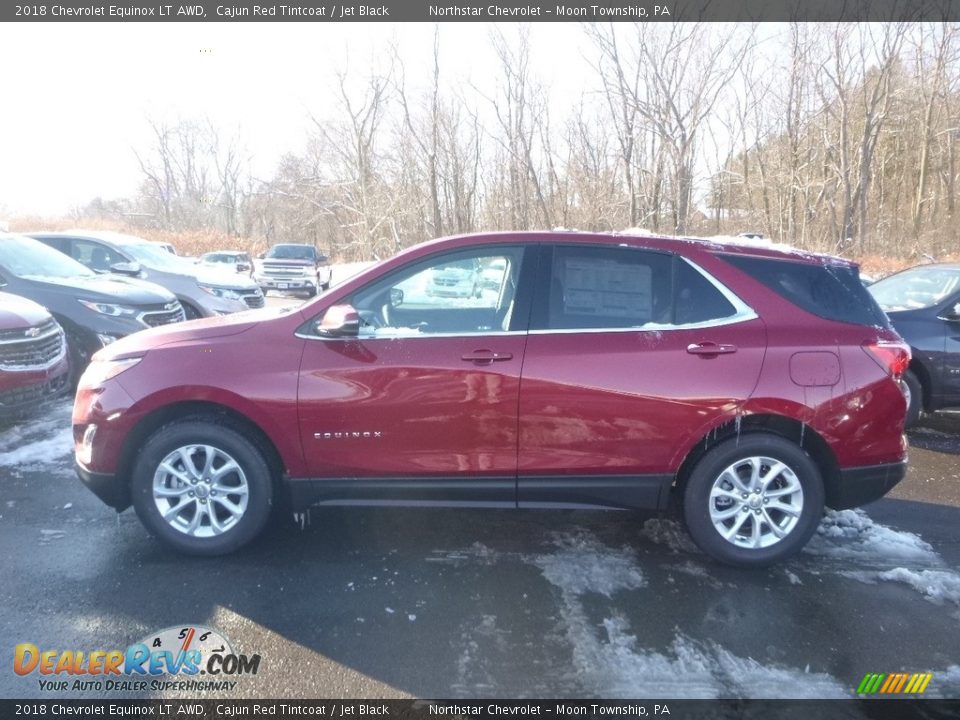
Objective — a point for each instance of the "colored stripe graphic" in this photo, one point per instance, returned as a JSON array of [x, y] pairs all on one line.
[[894, 683]]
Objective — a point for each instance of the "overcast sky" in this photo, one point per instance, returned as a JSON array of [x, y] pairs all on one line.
[[76, 96]]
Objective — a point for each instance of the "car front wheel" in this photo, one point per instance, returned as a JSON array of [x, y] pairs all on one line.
[[202, 487], [753, 500]]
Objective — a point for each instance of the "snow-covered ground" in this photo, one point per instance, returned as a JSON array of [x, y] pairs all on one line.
[[45, 441], [592, 579]]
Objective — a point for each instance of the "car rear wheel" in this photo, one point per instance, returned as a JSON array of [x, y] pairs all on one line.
[[202, 487], [753, 500], [913, 392]]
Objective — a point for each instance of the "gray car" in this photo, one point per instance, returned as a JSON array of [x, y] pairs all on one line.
[[203, 291]]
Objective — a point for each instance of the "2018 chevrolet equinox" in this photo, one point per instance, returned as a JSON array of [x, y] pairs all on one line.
[[753, 386]]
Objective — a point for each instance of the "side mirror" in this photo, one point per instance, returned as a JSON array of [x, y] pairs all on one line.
[[396, 297], [952, 314], [339, 321], [126, 268], [261, 256]]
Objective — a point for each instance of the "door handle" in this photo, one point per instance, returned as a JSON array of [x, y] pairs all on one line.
[[486, 356], [710, 348]]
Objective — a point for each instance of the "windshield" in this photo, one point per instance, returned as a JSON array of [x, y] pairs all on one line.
[[26, 257], [291, 252], [917, 288], [153, 256]]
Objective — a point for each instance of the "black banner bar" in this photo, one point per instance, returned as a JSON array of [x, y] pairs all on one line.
[[891, 709], [333, 11]]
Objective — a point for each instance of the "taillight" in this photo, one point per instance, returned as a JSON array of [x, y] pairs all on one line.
[[892, 356]]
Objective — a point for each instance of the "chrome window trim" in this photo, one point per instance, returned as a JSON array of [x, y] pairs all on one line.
[[420, 336], [742, 313]]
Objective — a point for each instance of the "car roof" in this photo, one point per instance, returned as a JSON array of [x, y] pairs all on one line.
[[108, 236], [668, 243]]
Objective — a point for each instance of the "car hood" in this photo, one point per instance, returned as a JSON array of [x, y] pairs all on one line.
[[189, 332], [17, 312], [206, 275], [110, 288], [223, 277]]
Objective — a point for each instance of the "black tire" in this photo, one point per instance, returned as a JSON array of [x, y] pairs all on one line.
[[712, 468], [232, 443], [190, 312], [79, 356], [914, 392]]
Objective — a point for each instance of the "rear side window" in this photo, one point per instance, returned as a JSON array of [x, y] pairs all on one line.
[[833, 292], [590, 288]]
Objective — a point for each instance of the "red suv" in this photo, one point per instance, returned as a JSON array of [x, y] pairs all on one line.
[[33, 357], [601, 371]]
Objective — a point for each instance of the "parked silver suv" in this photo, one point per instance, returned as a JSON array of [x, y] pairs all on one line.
[[203, 291]]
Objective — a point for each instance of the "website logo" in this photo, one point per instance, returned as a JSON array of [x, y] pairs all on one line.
[[894, 683], [181, 651]]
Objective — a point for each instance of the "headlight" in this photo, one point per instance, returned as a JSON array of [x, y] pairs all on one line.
[[99, 371], [110, 309], [221, 292]]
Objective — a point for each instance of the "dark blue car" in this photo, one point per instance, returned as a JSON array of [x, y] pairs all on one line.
[[923, 304]]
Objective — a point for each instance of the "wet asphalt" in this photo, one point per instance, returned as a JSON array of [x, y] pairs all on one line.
[[463, 603]]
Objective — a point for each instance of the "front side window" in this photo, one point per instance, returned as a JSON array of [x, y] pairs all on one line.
[[465, 292], [94, 255]]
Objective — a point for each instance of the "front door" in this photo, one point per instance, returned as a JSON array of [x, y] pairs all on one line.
[[429, 389]]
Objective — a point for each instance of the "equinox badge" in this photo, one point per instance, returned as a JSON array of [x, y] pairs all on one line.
[[359, 435]]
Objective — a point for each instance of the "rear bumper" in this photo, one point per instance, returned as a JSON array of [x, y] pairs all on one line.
[[861, 485], [105, 486]]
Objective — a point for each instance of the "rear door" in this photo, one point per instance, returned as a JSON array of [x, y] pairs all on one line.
[[631, 354]]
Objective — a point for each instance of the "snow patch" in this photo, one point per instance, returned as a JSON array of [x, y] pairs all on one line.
[[42, 442], [478, 552], [852, 535], [698, 571], [609, 660], [669, 533], [937, 586], [583, 564]]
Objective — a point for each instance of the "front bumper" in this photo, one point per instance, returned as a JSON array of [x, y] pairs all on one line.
[[26, 397], [861, 485], [105, 486], [294, 284]]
